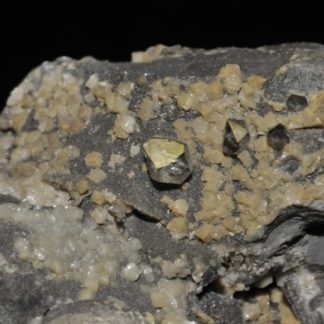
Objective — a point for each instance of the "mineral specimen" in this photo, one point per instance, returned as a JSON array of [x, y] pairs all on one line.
[[184, 187]]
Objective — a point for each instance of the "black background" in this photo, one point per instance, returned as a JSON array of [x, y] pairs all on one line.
[[34, 32]]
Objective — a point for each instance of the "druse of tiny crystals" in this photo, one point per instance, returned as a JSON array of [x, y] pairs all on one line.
[[71, 249]]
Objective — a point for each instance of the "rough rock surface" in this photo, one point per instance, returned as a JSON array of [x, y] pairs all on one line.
[[87, 236]]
